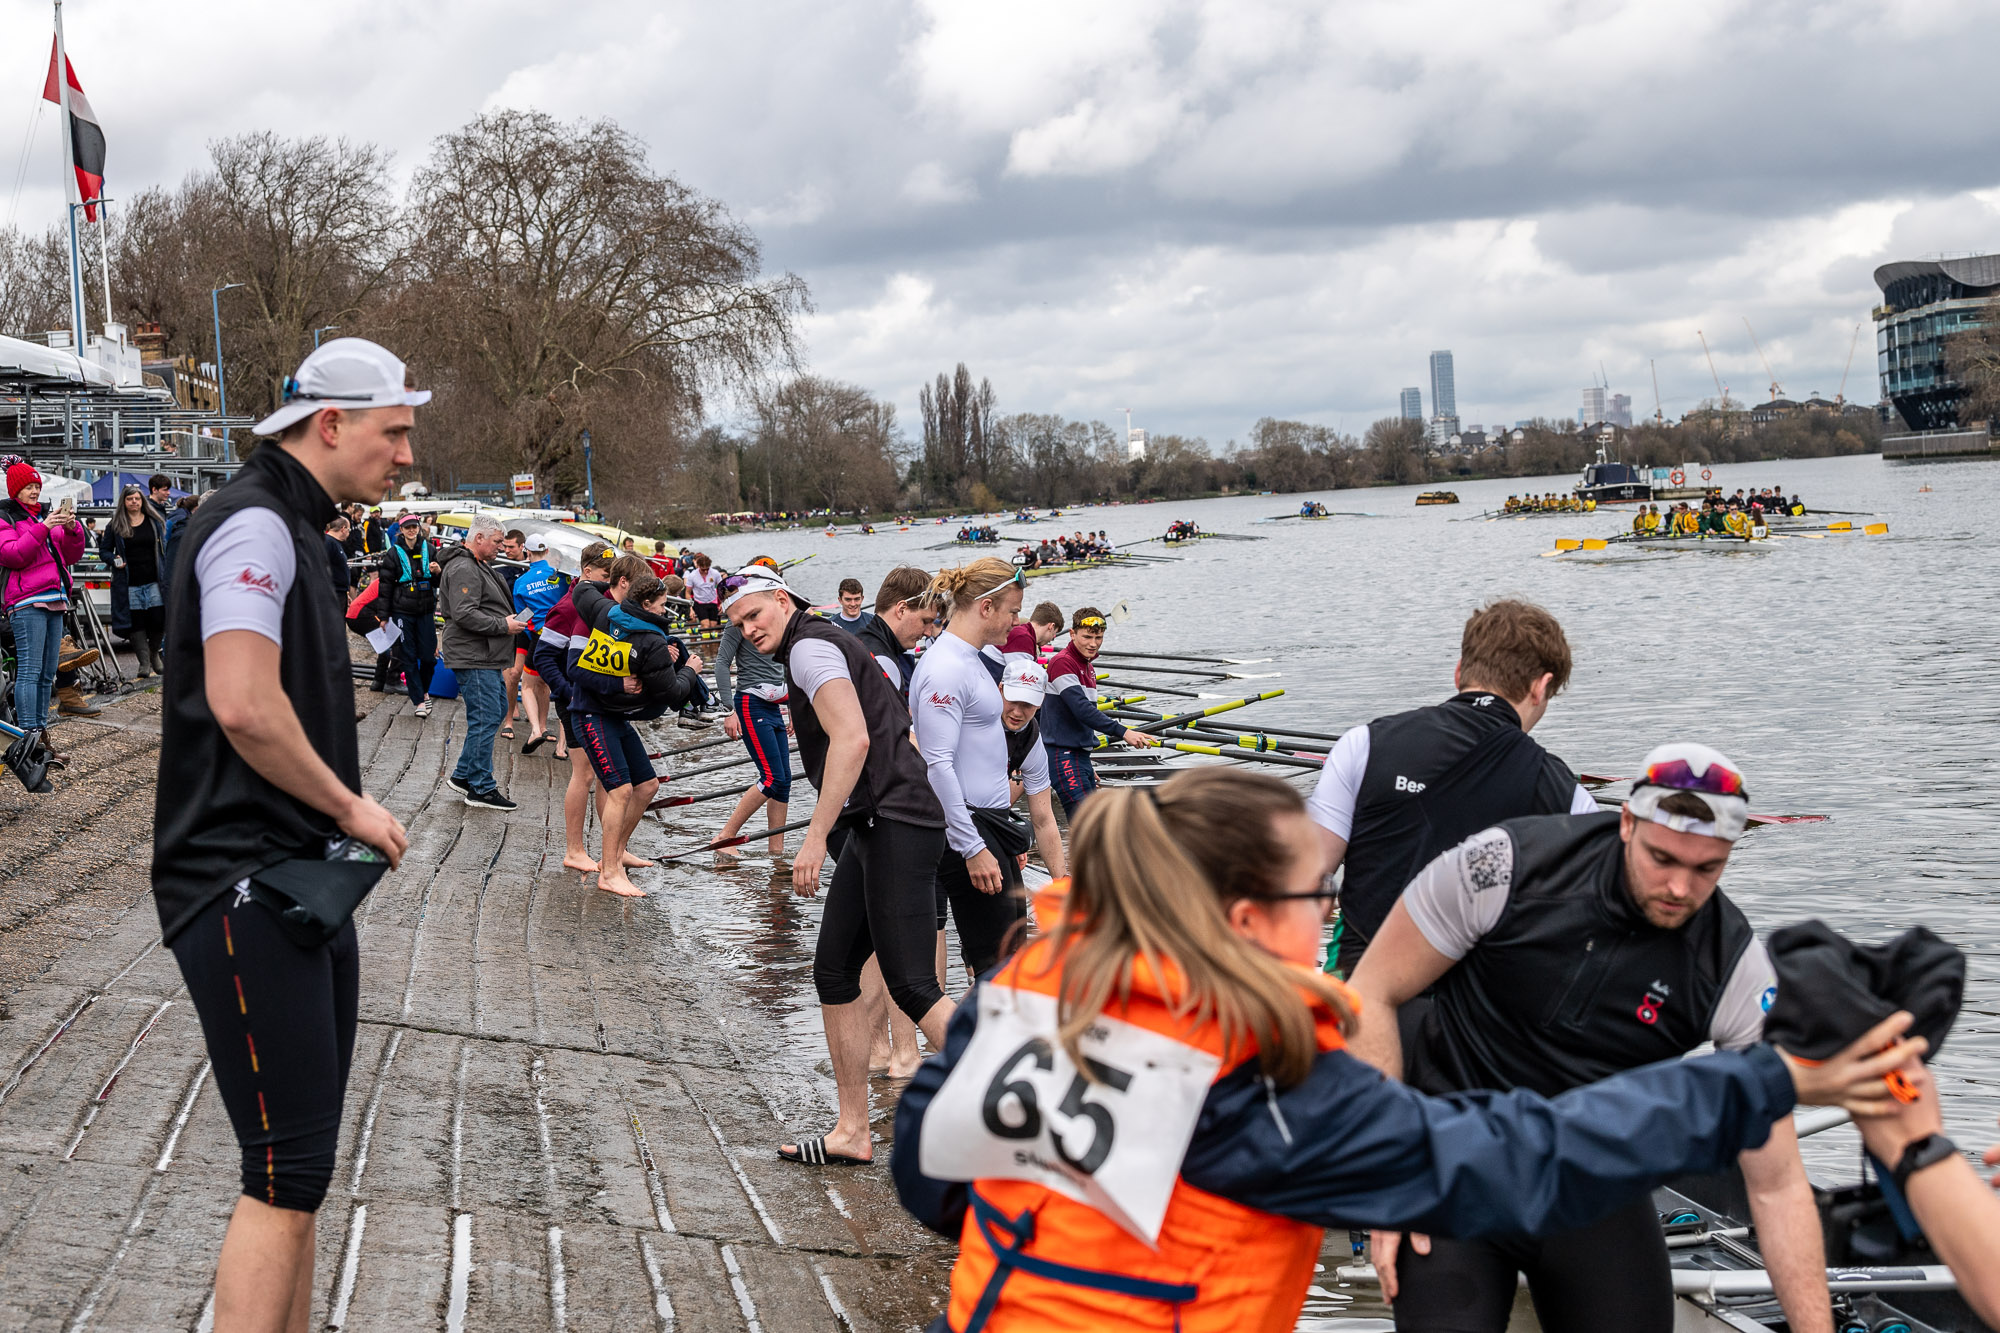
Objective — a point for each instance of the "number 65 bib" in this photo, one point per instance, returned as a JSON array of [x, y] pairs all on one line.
[[1016, 1108]]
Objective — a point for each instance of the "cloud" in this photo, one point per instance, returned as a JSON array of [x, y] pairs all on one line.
[[1210, 209]]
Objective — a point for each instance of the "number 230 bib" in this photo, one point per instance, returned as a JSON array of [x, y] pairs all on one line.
[[1016, 1108]]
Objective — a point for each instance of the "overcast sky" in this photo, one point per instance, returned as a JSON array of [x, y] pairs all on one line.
[[1208, 212]]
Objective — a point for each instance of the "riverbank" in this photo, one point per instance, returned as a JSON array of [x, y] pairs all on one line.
[[562, 1111]]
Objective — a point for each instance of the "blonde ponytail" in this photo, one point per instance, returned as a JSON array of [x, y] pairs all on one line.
[[966, 584], [1151, 873]]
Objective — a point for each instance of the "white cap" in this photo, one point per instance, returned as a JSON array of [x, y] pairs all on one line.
[[350, 373], [1024, 681], [536, 543], [755, 578]]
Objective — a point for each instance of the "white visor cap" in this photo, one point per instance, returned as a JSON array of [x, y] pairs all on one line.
[[350, 373], [1024, 682]]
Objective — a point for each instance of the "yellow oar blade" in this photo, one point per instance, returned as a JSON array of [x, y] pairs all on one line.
[[1189, 747], [1876, 529], [1568, 544], [1842, 526], [1594, 544]]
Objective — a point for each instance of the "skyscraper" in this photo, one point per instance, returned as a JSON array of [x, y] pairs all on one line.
[[1593, 406], [1413, 404], [1444, 394]]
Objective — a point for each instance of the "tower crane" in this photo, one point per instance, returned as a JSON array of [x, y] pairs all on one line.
[[1840, 399], [1659, 414], [1776, 392], [1721, 394]]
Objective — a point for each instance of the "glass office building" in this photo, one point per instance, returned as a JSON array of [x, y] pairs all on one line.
[[1924, 302], [1413, 404], [1444, 394]]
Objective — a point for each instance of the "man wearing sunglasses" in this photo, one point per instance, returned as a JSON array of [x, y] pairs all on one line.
[[1563, 949], [1071, 718]]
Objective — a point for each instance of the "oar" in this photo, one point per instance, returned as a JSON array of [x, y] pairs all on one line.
[[738, 841], [718, 767], [690, 749], [1166, 671], [667, 802], [1105, 679], [1210, 711], [1613, 803], [1287, 732], [1182, 657], [1257, 741], [1237, 752], [799, 561]]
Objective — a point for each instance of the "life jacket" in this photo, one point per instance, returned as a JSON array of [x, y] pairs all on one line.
[[1032, 1257]]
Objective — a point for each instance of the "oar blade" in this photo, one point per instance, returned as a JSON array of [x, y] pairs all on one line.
[[1876, 529]]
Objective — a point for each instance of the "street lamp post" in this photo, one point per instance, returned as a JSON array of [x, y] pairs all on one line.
[[589, 491], [329, 328], [215, 312]]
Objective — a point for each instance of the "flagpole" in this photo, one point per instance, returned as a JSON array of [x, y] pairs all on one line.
[[70, 194], [104, 255]]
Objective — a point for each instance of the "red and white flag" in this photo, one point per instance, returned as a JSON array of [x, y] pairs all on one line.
[[85, 137]]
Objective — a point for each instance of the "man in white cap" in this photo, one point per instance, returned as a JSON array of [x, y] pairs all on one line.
[[853, 732], [261, 811], [1563, 949]]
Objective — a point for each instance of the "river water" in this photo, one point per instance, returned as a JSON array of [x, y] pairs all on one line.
[[1852, 676]]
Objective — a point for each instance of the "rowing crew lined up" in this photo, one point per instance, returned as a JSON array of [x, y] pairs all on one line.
[[1144, 1115], [1681, 519], [1070, 550], [1548, 503]]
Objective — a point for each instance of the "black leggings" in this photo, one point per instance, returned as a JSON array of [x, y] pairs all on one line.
[[279, 1023], [882, 902], [1611, 1274], [988, 923]]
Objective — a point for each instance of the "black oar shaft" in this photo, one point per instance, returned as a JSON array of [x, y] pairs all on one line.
[[1165, 670], [1274, 731], [1175, 657], [737, 841]]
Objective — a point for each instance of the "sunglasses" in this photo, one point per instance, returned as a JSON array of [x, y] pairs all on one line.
[[1019, 576], [1679, 775], [1091, 622]]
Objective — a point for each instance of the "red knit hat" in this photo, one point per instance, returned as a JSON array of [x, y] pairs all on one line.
[[19, 476]]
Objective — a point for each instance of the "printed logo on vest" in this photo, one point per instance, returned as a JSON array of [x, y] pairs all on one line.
[[1649, 1007], [1404, 784], [257, 581], [942, 700]]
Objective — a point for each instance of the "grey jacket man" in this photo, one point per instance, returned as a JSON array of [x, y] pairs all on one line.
[[475, 599]]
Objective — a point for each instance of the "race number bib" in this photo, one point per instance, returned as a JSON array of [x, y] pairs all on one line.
[[606, 656], [1016, 1108]]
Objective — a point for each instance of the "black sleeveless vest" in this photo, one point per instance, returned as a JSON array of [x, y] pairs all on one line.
[[883, 644], [216, 820], [1573, 984], [894, 781], [1435, 777]]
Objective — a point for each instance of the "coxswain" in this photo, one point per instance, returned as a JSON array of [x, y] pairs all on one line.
[[1399, 790], [956, 708], [1559, 950], [1071, 718], [1513, 503], [1221, 1124], [853, 733], [965, 534], [1027, 558]]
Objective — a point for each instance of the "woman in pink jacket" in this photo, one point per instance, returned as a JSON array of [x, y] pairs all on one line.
[[36, 550]]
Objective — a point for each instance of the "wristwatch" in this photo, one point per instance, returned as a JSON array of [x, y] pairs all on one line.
[[1926, 1151]]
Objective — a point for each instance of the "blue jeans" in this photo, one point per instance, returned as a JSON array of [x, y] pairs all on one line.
[[485, 704], [419, 650], [37, 650]]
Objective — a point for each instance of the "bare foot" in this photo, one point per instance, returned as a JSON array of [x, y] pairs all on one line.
[[631, 862], [614, 881], [579, 861], [904, 1066], [732, 853], [878, 1060]]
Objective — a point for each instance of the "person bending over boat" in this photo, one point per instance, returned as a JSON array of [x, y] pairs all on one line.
[[1183, 1181], [854, 743], [1071, 718], [1396, 792], [957, 708], [1026, 642], [1564, 949]]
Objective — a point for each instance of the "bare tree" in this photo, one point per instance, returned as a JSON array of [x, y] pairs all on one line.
[[34, 281], [958, 429], [1972, 356], [549, 265], [828, 444]]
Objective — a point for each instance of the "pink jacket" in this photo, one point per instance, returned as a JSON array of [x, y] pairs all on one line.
[[26, 566]]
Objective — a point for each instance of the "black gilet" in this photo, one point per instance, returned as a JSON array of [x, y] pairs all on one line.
[[894, 782], [216, 820], [1435, 777], [1573, 984], [1022, 743], [883, 644]]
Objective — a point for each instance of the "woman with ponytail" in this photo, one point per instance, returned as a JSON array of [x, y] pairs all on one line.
[[956, 711], [1145, 1118]]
